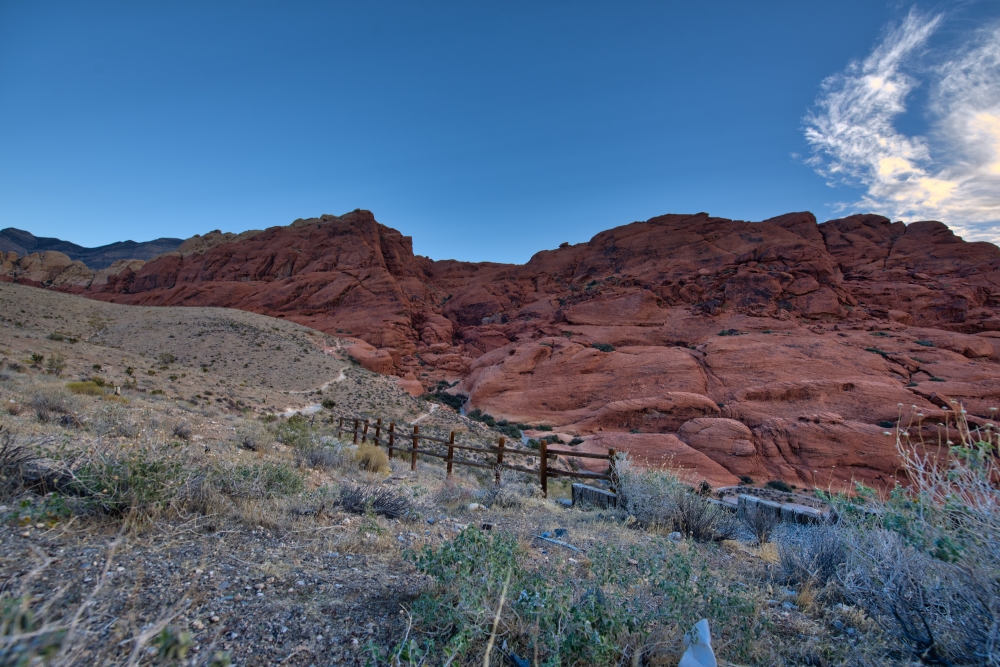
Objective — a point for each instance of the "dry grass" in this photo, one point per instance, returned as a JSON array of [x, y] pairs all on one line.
[[372, 458]]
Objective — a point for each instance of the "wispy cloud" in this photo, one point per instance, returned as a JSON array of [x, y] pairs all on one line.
[[953, 173]]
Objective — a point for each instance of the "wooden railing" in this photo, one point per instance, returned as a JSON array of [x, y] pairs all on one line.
[[365, 431]]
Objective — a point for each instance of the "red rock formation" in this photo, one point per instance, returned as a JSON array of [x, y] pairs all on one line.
[[771, 349]]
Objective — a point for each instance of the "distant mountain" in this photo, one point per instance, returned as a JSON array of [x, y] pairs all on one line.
[[25, 243]]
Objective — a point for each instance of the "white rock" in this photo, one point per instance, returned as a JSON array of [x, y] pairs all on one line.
[[475, 506], [699, 647]]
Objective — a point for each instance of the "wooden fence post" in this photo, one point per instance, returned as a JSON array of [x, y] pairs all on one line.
[[364, 434], [612, 471], [392, 437], [340, 427], [356, 429], [378, 430], [451, 451], [503, 441], [543, 468], [413, 454]]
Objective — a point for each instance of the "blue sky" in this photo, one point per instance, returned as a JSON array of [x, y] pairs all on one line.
[[487, 131]]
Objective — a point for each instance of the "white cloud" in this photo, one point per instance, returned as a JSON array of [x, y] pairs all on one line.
[[953, 173]]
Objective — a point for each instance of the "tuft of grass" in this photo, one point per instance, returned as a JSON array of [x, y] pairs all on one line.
[[372, 458], [123, 481], [257, 481], [374, 499], [88, 388]]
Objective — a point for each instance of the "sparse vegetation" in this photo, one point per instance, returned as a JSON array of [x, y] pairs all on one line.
[[779, 485]]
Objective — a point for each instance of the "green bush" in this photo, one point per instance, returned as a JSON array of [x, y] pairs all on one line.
[[603, 347], [563, 613], [294, 432], [779, 485], [122, 481], [87, 388]]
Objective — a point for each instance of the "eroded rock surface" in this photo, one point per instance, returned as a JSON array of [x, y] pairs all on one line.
[[768, 349]]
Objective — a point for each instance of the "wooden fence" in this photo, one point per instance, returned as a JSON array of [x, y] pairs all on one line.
[[400, 442]]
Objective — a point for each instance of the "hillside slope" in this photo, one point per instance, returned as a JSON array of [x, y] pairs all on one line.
[[776, 349]]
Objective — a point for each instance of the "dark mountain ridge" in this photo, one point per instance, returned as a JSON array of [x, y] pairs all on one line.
[[24, 243]]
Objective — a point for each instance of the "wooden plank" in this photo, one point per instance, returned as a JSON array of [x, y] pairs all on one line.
[[543, 468], [451, 452], [413, 454], [500, 448], [392, 438]]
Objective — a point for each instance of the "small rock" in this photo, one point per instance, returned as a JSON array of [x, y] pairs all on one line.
[[475, 506], [789, 605], [300, 582], [354, 641], [851, 631], [346, 521], [838, 624], [40, 526], [431, 521], [632, 561], [259, 587], [773, 603], [675, 536], [215, 619], [197, 625], [121, 569], [26, 533], [565, 502]]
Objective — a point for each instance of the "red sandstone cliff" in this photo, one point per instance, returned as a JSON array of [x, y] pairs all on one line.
[[770, 349]]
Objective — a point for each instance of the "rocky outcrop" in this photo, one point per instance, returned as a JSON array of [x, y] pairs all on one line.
[[779, 348], [24, 243]]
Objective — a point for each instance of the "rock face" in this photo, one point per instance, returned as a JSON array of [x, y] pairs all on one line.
[[771, 349], [25, 243]]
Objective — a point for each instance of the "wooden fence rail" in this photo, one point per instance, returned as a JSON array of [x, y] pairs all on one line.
[[360, 430]]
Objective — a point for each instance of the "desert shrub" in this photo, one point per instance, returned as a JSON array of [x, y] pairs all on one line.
[[88, 388], [816, 558], [779, 485], [620, 610], [322, 457], [257, 481], [746, 480], [55, 335], [603, 347], [166, 358], [120, 481], [455, 401], [253, 436], [659, 498], [48, 401], [14, 458], [37, 359], [760, 522], [294, 432], [117, 420], [372, 458], [374, 499], [575, 441], [509, 490], [329, 403], [452, 492], [925, 562], [182, 431], [55, 365]]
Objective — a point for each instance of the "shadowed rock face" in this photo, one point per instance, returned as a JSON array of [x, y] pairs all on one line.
[[772, 349]]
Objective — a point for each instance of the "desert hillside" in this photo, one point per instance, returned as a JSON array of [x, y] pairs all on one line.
[[779, 348]]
